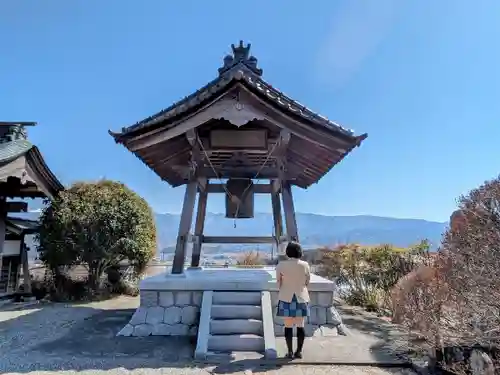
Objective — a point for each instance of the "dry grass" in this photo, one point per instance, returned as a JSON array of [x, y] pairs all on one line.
[[251, 259]]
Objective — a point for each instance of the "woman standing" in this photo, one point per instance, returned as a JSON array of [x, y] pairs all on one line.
[[293, 277]]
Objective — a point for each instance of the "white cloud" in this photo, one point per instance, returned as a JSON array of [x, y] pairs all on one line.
[[357, 29], [37, 210]]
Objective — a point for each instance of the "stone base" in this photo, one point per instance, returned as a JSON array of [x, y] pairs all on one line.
[[323, 321], [170, 304], [165, 313]]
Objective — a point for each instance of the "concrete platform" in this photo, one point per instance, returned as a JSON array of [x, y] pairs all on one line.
[[208, 303], [227, 279]]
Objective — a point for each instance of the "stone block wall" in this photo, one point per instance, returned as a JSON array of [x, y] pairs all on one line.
[[323, 314], [165, 313]]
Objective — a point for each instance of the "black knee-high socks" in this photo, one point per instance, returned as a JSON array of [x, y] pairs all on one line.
[[289, 339], [301, 335]]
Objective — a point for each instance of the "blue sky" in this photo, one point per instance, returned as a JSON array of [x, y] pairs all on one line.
[[421, 77]]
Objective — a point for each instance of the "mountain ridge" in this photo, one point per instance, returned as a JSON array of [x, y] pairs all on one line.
[[315, 229]]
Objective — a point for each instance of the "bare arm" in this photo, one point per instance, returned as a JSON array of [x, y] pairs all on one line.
[[279, 276], [308, 274]]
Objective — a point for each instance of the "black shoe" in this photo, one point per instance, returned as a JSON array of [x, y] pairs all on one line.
[[300, 342], [289, 355]]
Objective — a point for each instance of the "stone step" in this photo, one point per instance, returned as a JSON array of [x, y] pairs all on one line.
[[236, 326], [236, 312], [237, 298], [236, 343]]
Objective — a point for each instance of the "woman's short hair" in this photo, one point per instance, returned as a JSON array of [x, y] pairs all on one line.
[[293, 250]]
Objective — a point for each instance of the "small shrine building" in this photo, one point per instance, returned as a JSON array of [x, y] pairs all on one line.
[[241, 129], [238, 136], [23, 174]]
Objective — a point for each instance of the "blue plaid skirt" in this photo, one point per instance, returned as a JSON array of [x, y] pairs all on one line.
[[293, 309]]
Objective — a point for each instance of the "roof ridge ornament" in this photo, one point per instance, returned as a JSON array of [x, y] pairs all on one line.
[[241, 55], [12, 131]]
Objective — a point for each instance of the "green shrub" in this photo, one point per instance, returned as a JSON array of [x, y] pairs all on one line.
[[97, 225], [366, 275]]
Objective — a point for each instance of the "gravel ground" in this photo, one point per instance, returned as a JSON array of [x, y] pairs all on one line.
[[65, 339]]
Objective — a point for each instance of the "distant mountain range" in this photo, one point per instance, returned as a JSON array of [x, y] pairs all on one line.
[[314, 231]]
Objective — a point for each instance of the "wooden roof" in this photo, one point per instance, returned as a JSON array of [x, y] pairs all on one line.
[[17, 225], [239, 99], [23, 172]]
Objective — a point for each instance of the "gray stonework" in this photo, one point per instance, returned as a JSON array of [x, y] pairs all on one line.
[[165, 313], [323, 321], [177, 313]]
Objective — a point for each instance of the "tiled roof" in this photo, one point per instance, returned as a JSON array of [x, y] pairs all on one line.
[[14, 144], [23, 224], [13, 149], [240, 67]]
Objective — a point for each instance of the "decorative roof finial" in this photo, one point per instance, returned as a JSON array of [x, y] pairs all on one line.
[[241, 55], [11, 131]]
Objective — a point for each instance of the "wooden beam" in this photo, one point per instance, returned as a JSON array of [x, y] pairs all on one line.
[[275, 186], [39, 182], [16, 207], [203, 185], [278, 222], [304, 131], [223, 107], [199, 225], [258, 188], [237, 239], [153, 137], [241, 172], [25, 265], [19, 265], [192, 137], [283, 141], [277, 218], [21, 123], [288, 207], [3, 216], [184, 227]]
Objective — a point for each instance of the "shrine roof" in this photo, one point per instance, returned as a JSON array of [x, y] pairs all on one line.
[[19, 225], [239, 67], [20, 159], [315, 144]]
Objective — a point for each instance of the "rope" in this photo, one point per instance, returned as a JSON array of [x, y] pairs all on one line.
[[213, 168], [269, 154]]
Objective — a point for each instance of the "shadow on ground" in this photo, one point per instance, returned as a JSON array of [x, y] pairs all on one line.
[[77, 337], [52, 337], [71, 336], [387, 338], [96, 337]]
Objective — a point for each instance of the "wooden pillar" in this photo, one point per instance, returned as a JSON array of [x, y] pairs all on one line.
[[9, 273], [3, 217], [290, 221], [277, 218], [184, 227], [26, 268], [200, 223]]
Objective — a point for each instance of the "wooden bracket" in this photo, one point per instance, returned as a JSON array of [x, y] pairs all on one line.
[[16, 207], [192, 137]]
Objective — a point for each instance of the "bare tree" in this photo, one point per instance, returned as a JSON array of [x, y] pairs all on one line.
[[471, 269], [455, 302]]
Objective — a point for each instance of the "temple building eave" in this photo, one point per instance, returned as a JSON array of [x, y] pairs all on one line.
[[226, 82]]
